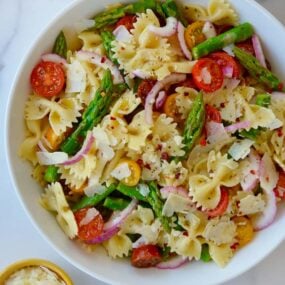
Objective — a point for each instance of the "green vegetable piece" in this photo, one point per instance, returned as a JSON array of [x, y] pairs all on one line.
[[235, 35], [170, 9], [115, 204], [263, 100], [256, 70], [60, 45], [205, 255], [156, 203], [51, 174], [94, 200], [93, 115], [131, 191], [107, 38], [251, 134], [166, 253], [194, 124]]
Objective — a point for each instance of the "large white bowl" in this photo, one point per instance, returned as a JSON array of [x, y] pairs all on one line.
[[98, 264]]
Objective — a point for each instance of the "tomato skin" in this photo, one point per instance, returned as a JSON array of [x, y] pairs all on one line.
[[213, 114], [216, 80], [144, 88], [127, 21], [280, 188], [146, 256], [222, 206], [246, 46], [91, 230], [223, 60], [47, 79]]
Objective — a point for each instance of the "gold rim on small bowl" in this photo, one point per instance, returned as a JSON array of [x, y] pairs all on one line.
[[8, 271]]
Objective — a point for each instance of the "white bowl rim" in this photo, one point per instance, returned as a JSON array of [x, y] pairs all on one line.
[[8, 152]]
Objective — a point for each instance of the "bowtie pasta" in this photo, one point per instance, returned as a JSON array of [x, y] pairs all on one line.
[[162, 136]]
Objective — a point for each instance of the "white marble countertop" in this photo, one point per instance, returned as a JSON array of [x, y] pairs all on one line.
[[20, 23]]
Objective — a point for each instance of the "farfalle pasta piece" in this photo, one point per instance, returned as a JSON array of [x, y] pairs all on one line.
[[220, 254], [221, 13], [92, 41], [138, 130], [37, 107], [118, 246], [29, 146], [172, 174], [195, 12], [54, 200], [184, 100]]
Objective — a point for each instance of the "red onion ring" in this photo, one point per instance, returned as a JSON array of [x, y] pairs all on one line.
[[141, 74], [113, 225], [238, 126], [181, 39], [165, 191], [103, 62], [160, 100], [168, 30], [228, 71], [258, 50], [173, 263], [52, 57], [278, 95], [150, 98], [122, 34]]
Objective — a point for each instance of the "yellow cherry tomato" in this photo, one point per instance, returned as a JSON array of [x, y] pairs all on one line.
[[53, 139], [135, 176], [79, 190], [194, 34], [244, 232], [170, 108]]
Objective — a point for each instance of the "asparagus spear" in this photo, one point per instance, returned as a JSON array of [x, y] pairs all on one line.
[[116, 204], [131, 191], [157, 205], [60, 45], [93, 200], [235, 35], [170, 9], [205, 255], [263, 100], [107, 38], [256, 70], [51, 174], [194, 124]]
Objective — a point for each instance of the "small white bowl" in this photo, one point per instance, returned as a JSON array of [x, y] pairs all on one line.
[[98, 264]]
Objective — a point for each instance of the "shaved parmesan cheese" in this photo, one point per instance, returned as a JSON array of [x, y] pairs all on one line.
[[206, 75], [216, 132], [251, 205], [239, 150], [122, 171], [209, 30], [75, 77], [89, 216], [48, 158], [229, 50], [175, 203], [143, 189], [275, 124], [268, 173], [94, 189], [139, 242]]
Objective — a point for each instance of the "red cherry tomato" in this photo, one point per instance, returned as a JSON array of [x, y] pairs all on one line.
[[93, 229], [146, 256], [207, 75], [47, 79], [246, 46], [213, 114], [222, 206], [280, 188], [225, 60], [127, 21], [144, 88]]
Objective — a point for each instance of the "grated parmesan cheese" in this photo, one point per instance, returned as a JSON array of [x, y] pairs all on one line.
[[122, 171], [91, 213], [251, 205]]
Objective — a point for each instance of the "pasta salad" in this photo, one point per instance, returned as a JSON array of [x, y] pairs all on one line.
[[159, 134]]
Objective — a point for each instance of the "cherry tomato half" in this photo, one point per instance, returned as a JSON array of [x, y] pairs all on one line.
[[222, 206], [47, 79], [127, 21], [93, 229], [146, 256], [194, 34], [207, 75], [170, 108], [225, 60], [280, 188], [213, 114]]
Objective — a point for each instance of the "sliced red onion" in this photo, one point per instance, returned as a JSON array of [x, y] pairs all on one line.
[[113, 225], [228, 71], [151, 96], [54, 58], [122, 34], [250, 175], [165, 191], [84, 150], [181, 39], [41, 146], [103, 62], [258, 50], [166, 31], [141, 74], [278, 95], [209, 30], [238, 126], [268, 174], [160, 100], [173, 262], [266, 218], [216, 132], [231, 84]]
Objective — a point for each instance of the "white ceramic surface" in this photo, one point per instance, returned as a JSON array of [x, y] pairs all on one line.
[[196, 273]]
